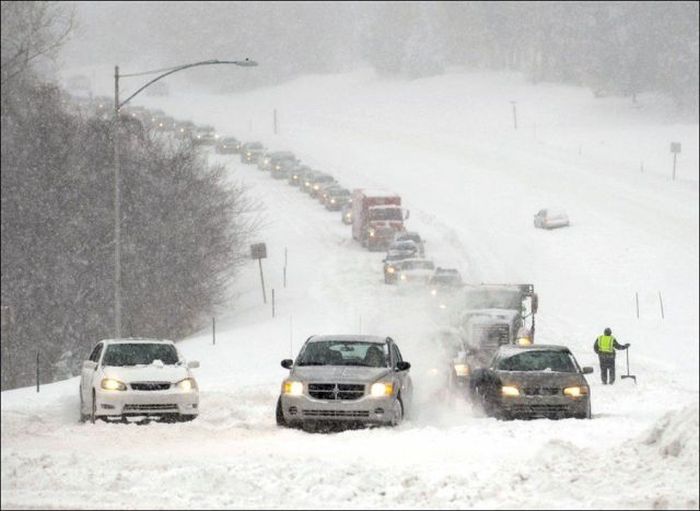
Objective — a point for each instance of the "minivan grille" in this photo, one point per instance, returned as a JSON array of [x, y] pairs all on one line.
[[339, 391], [336, 413], [151, 385]]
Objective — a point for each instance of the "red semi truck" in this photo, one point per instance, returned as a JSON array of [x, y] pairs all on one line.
[[376, 217]]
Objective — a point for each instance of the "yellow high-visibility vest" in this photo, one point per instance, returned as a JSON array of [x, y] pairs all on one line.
[[605, 344]]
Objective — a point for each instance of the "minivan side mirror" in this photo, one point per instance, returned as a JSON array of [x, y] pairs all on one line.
[[193, 364], [403, 366], [287, 363], [587, 370], [535, 303], [89, 365], [408, 213]]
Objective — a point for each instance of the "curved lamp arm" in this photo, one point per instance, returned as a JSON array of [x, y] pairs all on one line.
[[243, 63]]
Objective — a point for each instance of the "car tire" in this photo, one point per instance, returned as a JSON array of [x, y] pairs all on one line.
[[397, 414], [186, 417], [93, 408], [279, 415], [83, 416]]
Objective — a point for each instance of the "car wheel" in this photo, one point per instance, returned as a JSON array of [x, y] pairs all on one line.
[[83, 415], [186, 417], [397, 412], [279, 415], [93, 409]]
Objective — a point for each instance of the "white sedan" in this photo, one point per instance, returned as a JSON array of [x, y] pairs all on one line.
[[137, 377], [551, 219]]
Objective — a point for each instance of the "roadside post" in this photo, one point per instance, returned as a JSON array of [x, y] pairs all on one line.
[[675, 149], [259, 251]]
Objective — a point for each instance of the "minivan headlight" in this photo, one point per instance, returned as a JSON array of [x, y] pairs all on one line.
[[292, 388], [187, 384], [112, 384], [381, 389]]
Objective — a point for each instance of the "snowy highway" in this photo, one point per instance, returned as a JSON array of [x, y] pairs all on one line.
[[472, 185]]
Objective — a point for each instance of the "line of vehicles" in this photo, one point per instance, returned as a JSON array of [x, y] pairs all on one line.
[[487, 350]]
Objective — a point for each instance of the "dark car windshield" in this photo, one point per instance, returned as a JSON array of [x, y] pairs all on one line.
[[343, 353], [556, 361], [131, 354]]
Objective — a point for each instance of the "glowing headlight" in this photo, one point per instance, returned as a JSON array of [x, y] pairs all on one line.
[[187, 384], [111, 384], [292, 388], [403, 276], [524, 341], [461, 369], [277, 167], [390, 269], [332, 201], [381, 389], [575, 391], [316, 187], [433, 292], [372, 232], [510, 391]]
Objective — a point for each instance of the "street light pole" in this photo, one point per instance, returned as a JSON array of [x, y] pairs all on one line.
[[117, 168], [117, 215]]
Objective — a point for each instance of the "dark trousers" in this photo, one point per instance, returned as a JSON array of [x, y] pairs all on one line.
[[607, 368]]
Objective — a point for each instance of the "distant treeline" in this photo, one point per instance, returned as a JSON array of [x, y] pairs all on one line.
[[614, 48], [184, 228]]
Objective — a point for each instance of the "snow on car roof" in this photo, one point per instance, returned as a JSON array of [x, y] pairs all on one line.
[[345, 337], [128, 340]]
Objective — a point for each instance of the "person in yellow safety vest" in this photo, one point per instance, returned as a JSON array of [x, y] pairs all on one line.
[[605, 346]]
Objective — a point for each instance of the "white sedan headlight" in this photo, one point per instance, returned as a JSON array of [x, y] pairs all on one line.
[[381, 389], [187, 384], [292, 388], [112, 384]]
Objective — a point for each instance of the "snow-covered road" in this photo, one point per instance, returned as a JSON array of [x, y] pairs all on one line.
[[472, 188]]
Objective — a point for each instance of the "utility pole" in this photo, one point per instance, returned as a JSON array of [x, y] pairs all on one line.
[[515, 116]]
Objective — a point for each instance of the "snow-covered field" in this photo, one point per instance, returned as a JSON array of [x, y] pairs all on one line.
[[448, 147]]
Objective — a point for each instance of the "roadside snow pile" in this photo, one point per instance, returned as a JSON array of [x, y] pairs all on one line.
[[676, 435]]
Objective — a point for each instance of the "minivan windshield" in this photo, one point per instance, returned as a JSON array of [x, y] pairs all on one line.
[[556, 361], [131, 354], [343, 353]]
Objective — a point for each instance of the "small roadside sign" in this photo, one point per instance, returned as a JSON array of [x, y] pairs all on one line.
[[258, 251]]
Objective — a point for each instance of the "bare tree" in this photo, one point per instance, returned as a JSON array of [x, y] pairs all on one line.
[[31, 31]]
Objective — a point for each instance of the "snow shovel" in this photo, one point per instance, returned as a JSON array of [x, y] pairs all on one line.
[[628, 375]]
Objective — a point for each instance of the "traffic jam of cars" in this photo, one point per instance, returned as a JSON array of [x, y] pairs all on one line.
[[487, 343]]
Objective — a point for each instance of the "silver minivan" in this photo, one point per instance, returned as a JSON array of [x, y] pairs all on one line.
[[359, 379]]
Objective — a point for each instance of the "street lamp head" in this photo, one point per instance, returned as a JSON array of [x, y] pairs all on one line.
[[246, 63]]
